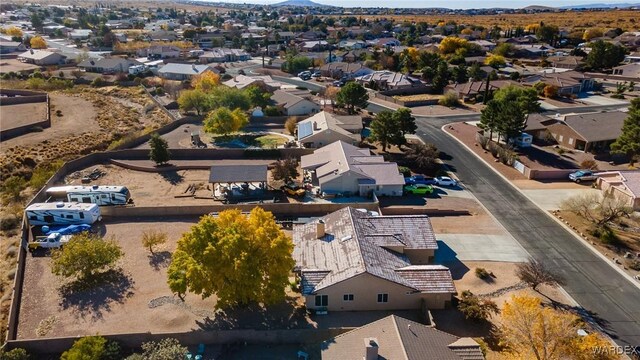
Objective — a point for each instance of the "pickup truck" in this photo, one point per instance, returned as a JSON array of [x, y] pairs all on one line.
[[582, 175], [51, 241]]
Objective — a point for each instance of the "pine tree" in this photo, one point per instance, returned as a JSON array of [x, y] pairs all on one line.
[[159, 150], [629, 141]]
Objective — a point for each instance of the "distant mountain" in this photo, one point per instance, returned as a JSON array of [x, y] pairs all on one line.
[[602, 6], [307, 3], [539, 8]]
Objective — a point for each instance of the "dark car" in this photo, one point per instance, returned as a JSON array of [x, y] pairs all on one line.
[[419, 179]]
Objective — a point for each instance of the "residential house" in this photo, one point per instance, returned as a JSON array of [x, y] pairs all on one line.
[[159, 52], [325, 128], [285, 36], [341, 168], [537, 126], [385, 42], [7, 46], [633, 57], [80, 34], [623, 185], [295, 102], [162, 35], [352, 44], [108, 65], [393, 81], [567, 82], [175, 71], [351, 261], [42, 57], [119, 24], [628, 71], [485, 45], [221, 55], [394, 337], [312, 35], [338, 70], [592, 132], [532, 50], [264, 82], [315, 45], [55, 28], [469, 91], [355, 55], [630, 40], [209, 39], [565, 62]]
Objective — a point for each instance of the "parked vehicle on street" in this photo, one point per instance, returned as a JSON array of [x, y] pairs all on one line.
[[52, 241], [338, 83], [419, 179], [418, 189], [305, 75], [582, 175], [292, 189], [316, 74], [446, 181]]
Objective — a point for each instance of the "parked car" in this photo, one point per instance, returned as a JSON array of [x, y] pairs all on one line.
[[418, 189], [292, 189], [316, 74], [305, 75], [419, 179], [582, 175], [338, 83], [445, 181]]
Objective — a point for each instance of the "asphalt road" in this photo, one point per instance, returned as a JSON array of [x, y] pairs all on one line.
[[600, 290]]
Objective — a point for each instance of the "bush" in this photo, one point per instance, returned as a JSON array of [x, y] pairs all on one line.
[[404, 171], [608, 236], [15, 354], [13, 186], [476, 309], [9, 223], [482, 273], [99, 82], [272, 111], [589, 164], [449, 99], [43, 172], [633, 264]]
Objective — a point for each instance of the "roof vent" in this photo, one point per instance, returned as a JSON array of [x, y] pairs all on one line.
[[95, 187], [370, 349], [59, 204], [345, 238], [320, 229]]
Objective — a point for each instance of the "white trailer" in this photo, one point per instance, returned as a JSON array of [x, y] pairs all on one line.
[[97, 194], [61, 213]]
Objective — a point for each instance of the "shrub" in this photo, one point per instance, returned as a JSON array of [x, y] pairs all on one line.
[[153, 238], [589, 164], [404, 171], [449, 99], [272, 111], [13, 186], [15, 354], [99, 82], [43, 172], [608, 236], [9, 223], [561, 151], [476, 309], [633, 264], [482, 273]]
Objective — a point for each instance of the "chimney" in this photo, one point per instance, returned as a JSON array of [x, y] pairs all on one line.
[[315, 125], [320, 229], [370, 349]]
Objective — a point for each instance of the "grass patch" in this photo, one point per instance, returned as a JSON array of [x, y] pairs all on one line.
[[242, 141]]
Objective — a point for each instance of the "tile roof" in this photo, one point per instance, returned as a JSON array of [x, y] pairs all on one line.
[[401, 339], [597, 126], [355, 243], [185, 69], [339, 157], [37, 54], [287, 98], [242, 81], [346, 125]]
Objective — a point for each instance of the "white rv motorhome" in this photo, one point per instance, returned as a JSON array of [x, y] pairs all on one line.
[[61, 213], [101, 195]]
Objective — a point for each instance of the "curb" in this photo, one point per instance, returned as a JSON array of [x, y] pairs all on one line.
[[584, 242]]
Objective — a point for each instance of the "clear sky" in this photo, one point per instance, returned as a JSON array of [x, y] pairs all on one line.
[[452, 4]]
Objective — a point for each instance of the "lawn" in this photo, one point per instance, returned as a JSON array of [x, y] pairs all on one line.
[[264, 141]]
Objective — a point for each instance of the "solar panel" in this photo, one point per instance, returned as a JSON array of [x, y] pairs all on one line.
[[305, 130]]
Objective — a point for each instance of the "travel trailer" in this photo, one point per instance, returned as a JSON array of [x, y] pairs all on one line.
[[61, 213], [101, 195]]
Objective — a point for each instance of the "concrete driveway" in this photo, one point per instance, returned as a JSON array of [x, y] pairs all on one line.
[[550, 199], [474, 247]]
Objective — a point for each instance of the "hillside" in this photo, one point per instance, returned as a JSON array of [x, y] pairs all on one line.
[[306, 3]]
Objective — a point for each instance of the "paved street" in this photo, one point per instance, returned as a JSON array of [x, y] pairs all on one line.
[[600, 289]]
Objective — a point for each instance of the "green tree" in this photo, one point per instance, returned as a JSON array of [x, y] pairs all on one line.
[[165, 349], [232, 98], [476, 309], [527, 98], [490, 117], [505, 49], [604, 55], [285, 169], [460, 73], [224, 121], [424, 156], [386, 130], [36, 21], [352, 95], [92, 348], [476, 72], [512, 120], [441, 78], [629, 141], [257, 96], [15, 354], [296, 63], [193, 100], [159, 153], [547, 33], [241, 259], [153, 238], [84, 256], [406, 122]]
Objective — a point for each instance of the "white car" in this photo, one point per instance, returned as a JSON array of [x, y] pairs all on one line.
[[445, 181]]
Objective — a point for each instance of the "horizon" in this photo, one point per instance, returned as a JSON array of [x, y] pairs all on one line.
[[448, 4]]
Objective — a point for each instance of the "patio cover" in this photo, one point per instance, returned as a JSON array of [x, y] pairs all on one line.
[[238, 173]]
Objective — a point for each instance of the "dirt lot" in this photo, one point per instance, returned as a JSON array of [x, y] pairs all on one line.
[[78, 115], [17, 115], [15, 65]]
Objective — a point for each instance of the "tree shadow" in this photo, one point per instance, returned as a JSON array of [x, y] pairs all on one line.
[[544, 158], [159, 260], [590, 317], [172, 177], [92, 297], [284, 315]]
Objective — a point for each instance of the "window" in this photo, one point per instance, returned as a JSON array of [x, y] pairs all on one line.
[[570, 141], [383, 298], [69, 216], [347, 297], [104, 196], [81, 215], [322, 300], [560, 137]]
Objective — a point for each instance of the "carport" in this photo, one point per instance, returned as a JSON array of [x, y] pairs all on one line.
[[228, 175]]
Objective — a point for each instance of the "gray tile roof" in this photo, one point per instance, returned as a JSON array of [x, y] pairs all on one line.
[[355, 243], [597, 126], [109, 63], [185, 69], [38, 54], [398, 339]]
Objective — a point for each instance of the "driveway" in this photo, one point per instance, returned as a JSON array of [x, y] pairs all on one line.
[[602, 100], [474, 247], [550, 199]]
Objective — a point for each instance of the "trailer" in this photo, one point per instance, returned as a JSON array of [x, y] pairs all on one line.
[[62, 213], [103, 195]]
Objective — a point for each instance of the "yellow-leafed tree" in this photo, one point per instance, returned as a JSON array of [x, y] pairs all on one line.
[[450, 44], [225, 121], [495, 61], [13, 31], [37, 42], [206, 81], [241, 259], [592, 33], [532, 331]]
